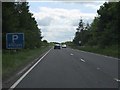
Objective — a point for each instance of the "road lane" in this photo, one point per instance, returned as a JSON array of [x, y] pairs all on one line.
[[67, 68], [107, 64]]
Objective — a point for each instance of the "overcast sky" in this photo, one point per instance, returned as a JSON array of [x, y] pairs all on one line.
[[58, 20]]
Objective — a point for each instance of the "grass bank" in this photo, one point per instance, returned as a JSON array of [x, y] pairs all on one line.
[[108, 51], [11, 61]]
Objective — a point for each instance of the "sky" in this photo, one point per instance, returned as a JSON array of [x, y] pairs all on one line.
[[58, 20]]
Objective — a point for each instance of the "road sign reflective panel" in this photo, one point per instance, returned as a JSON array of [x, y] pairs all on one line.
[[14, 40]]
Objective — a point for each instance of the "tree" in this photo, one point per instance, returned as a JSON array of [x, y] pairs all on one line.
[[108, 19], [82, 35], [9, 20], [78, 35], [17, 18]]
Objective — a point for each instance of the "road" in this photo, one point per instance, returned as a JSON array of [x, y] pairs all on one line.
[[69, 68]]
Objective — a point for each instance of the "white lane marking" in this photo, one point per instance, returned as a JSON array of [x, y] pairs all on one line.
[[82, 60], [116, 79], [71, 54], [98, 68], [20, 79]]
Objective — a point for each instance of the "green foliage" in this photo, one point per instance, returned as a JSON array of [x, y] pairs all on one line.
[[12, 61], [82, 35], [108, 23], [45, 43], [104, 30], [9, 20], [17, 18], [109, 51]]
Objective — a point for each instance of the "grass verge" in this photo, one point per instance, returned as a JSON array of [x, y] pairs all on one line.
[[109, 51], [11, 61]]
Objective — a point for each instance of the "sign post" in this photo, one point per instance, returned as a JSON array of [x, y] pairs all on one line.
[[14, 40]]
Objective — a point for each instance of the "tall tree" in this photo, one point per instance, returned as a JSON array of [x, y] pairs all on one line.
[[82, 35], [9, 20], [104, 30], [78, 35], [17, 18]]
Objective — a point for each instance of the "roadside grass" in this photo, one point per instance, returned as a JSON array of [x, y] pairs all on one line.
[[11, 61], [108, 51]]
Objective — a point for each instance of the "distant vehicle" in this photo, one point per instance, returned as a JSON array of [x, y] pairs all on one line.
[[57, 46], [64, 46]]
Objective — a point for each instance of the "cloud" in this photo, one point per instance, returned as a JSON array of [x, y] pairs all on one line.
[[44, 21], [59, 14], [59, 24], [94, 5], [58, 34]]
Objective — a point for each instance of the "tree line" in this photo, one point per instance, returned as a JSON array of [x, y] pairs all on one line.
[[16, 18], [104, 30]]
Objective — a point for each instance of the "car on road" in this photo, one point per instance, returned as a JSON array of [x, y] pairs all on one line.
[[64, 46], [57, 46]]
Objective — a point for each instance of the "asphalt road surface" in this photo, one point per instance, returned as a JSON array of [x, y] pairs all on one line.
[[68, 68]]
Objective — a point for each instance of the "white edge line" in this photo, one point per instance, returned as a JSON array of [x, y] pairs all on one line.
[[20, 79]]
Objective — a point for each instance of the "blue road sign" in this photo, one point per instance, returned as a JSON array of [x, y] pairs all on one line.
[[14, 40]]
